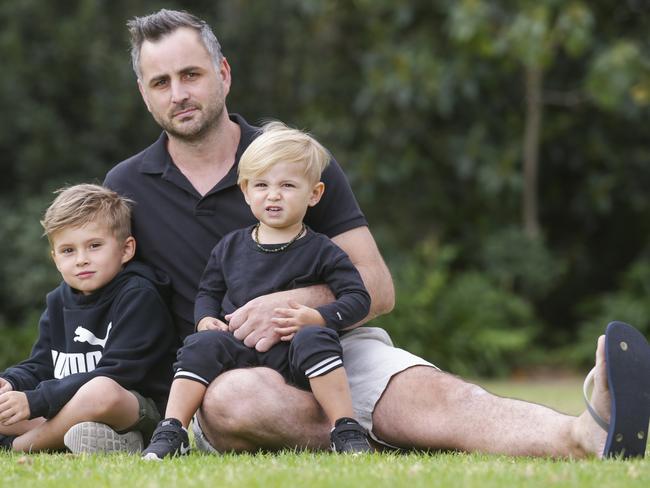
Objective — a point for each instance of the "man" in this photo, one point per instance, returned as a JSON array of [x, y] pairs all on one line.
[[187, 199]]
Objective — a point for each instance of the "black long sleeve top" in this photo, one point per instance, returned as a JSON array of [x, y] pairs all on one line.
[[123, 331], [239, 271]]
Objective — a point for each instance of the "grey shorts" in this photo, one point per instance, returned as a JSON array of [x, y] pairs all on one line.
[[370, 361]]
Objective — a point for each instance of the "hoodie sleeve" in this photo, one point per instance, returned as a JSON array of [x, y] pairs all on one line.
[[141, 330], [27, 374], [212, 289], [352, 302]]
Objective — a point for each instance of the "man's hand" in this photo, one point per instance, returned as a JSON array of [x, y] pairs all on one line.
[[210, 323], [252, 325], [291, 320], [5, 386], [13, 407]]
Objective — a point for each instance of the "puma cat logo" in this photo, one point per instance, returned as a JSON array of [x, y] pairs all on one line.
[[84, 335]]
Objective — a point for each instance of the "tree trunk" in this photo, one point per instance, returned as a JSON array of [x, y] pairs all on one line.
[[531, 150]]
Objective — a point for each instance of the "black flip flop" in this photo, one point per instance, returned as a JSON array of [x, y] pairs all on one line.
[[628, 375]]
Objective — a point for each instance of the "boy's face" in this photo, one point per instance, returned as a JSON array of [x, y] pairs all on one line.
[[279, 198], [90, 256]]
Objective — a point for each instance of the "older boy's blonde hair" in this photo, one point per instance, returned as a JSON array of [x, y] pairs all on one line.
[[278, 143], [78, 205]]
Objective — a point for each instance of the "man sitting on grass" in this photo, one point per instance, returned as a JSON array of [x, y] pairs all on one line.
[[187, 199]]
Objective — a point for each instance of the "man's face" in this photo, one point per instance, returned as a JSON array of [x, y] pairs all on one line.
[[180, 84]]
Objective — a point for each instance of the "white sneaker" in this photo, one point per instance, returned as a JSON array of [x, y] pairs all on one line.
[[93, 437], [201, 442]]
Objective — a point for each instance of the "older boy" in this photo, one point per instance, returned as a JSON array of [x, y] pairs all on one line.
[[102, 362], [279, 175]]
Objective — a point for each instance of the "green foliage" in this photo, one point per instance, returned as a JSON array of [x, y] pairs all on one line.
[[17, 342], [529, 34], [28, 272], [629, 303], [461, 321], [620, 76], [519, 263]]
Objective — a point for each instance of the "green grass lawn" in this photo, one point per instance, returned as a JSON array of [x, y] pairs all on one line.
[[289, 469]]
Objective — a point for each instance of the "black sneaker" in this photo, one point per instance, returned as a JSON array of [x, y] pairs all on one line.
[[6, 442], [169, 439], [349, 437]]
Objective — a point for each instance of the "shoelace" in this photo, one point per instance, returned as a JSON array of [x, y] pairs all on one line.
[[169, 435]]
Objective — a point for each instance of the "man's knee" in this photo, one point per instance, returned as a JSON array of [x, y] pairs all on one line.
[[232, 399]]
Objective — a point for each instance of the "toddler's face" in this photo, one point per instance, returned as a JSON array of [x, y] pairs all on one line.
[[279, 198]]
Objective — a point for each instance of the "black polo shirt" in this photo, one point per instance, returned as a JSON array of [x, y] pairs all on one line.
[[176, 228]]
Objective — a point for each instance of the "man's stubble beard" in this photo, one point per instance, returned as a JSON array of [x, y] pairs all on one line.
[[212, 113]]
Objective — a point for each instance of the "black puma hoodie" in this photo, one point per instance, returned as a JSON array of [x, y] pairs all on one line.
[[122, 331]]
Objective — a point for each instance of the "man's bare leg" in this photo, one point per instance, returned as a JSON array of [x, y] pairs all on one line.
[[253, 408], [248, 409], [100, 400], [448, 413]]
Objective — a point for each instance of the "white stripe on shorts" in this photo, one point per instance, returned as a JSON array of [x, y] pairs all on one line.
[[325, 366], [188, 374]]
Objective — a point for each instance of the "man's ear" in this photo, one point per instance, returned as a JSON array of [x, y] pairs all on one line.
[[225, 73], [143, 94], [128, 251], [316, 193]]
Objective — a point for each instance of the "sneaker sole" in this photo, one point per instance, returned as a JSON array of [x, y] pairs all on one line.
[[93, 437], [151, 457]]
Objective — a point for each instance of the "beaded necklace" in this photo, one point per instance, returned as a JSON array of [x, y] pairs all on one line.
[[256, 238]]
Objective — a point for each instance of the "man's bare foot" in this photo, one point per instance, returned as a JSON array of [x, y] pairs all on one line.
[[589, 436]]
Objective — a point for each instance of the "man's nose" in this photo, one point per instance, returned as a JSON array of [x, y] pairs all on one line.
[[178, 91]]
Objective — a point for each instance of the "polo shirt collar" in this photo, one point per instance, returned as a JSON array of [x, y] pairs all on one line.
[[156, 158]]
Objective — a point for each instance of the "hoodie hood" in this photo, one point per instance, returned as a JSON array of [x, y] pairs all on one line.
[[132, 269]]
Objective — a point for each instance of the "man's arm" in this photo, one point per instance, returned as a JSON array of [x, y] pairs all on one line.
[[360, 246], [251, 323]]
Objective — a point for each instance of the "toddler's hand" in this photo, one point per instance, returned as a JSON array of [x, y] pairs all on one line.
[[291, 320], [5, 386], [210, 323]]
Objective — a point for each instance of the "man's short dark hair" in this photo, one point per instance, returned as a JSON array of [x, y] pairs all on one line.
[[162, 23]]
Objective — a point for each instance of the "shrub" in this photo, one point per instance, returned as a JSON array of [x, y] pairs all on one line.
[[629, 304], [16, 342], [462, 322]]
